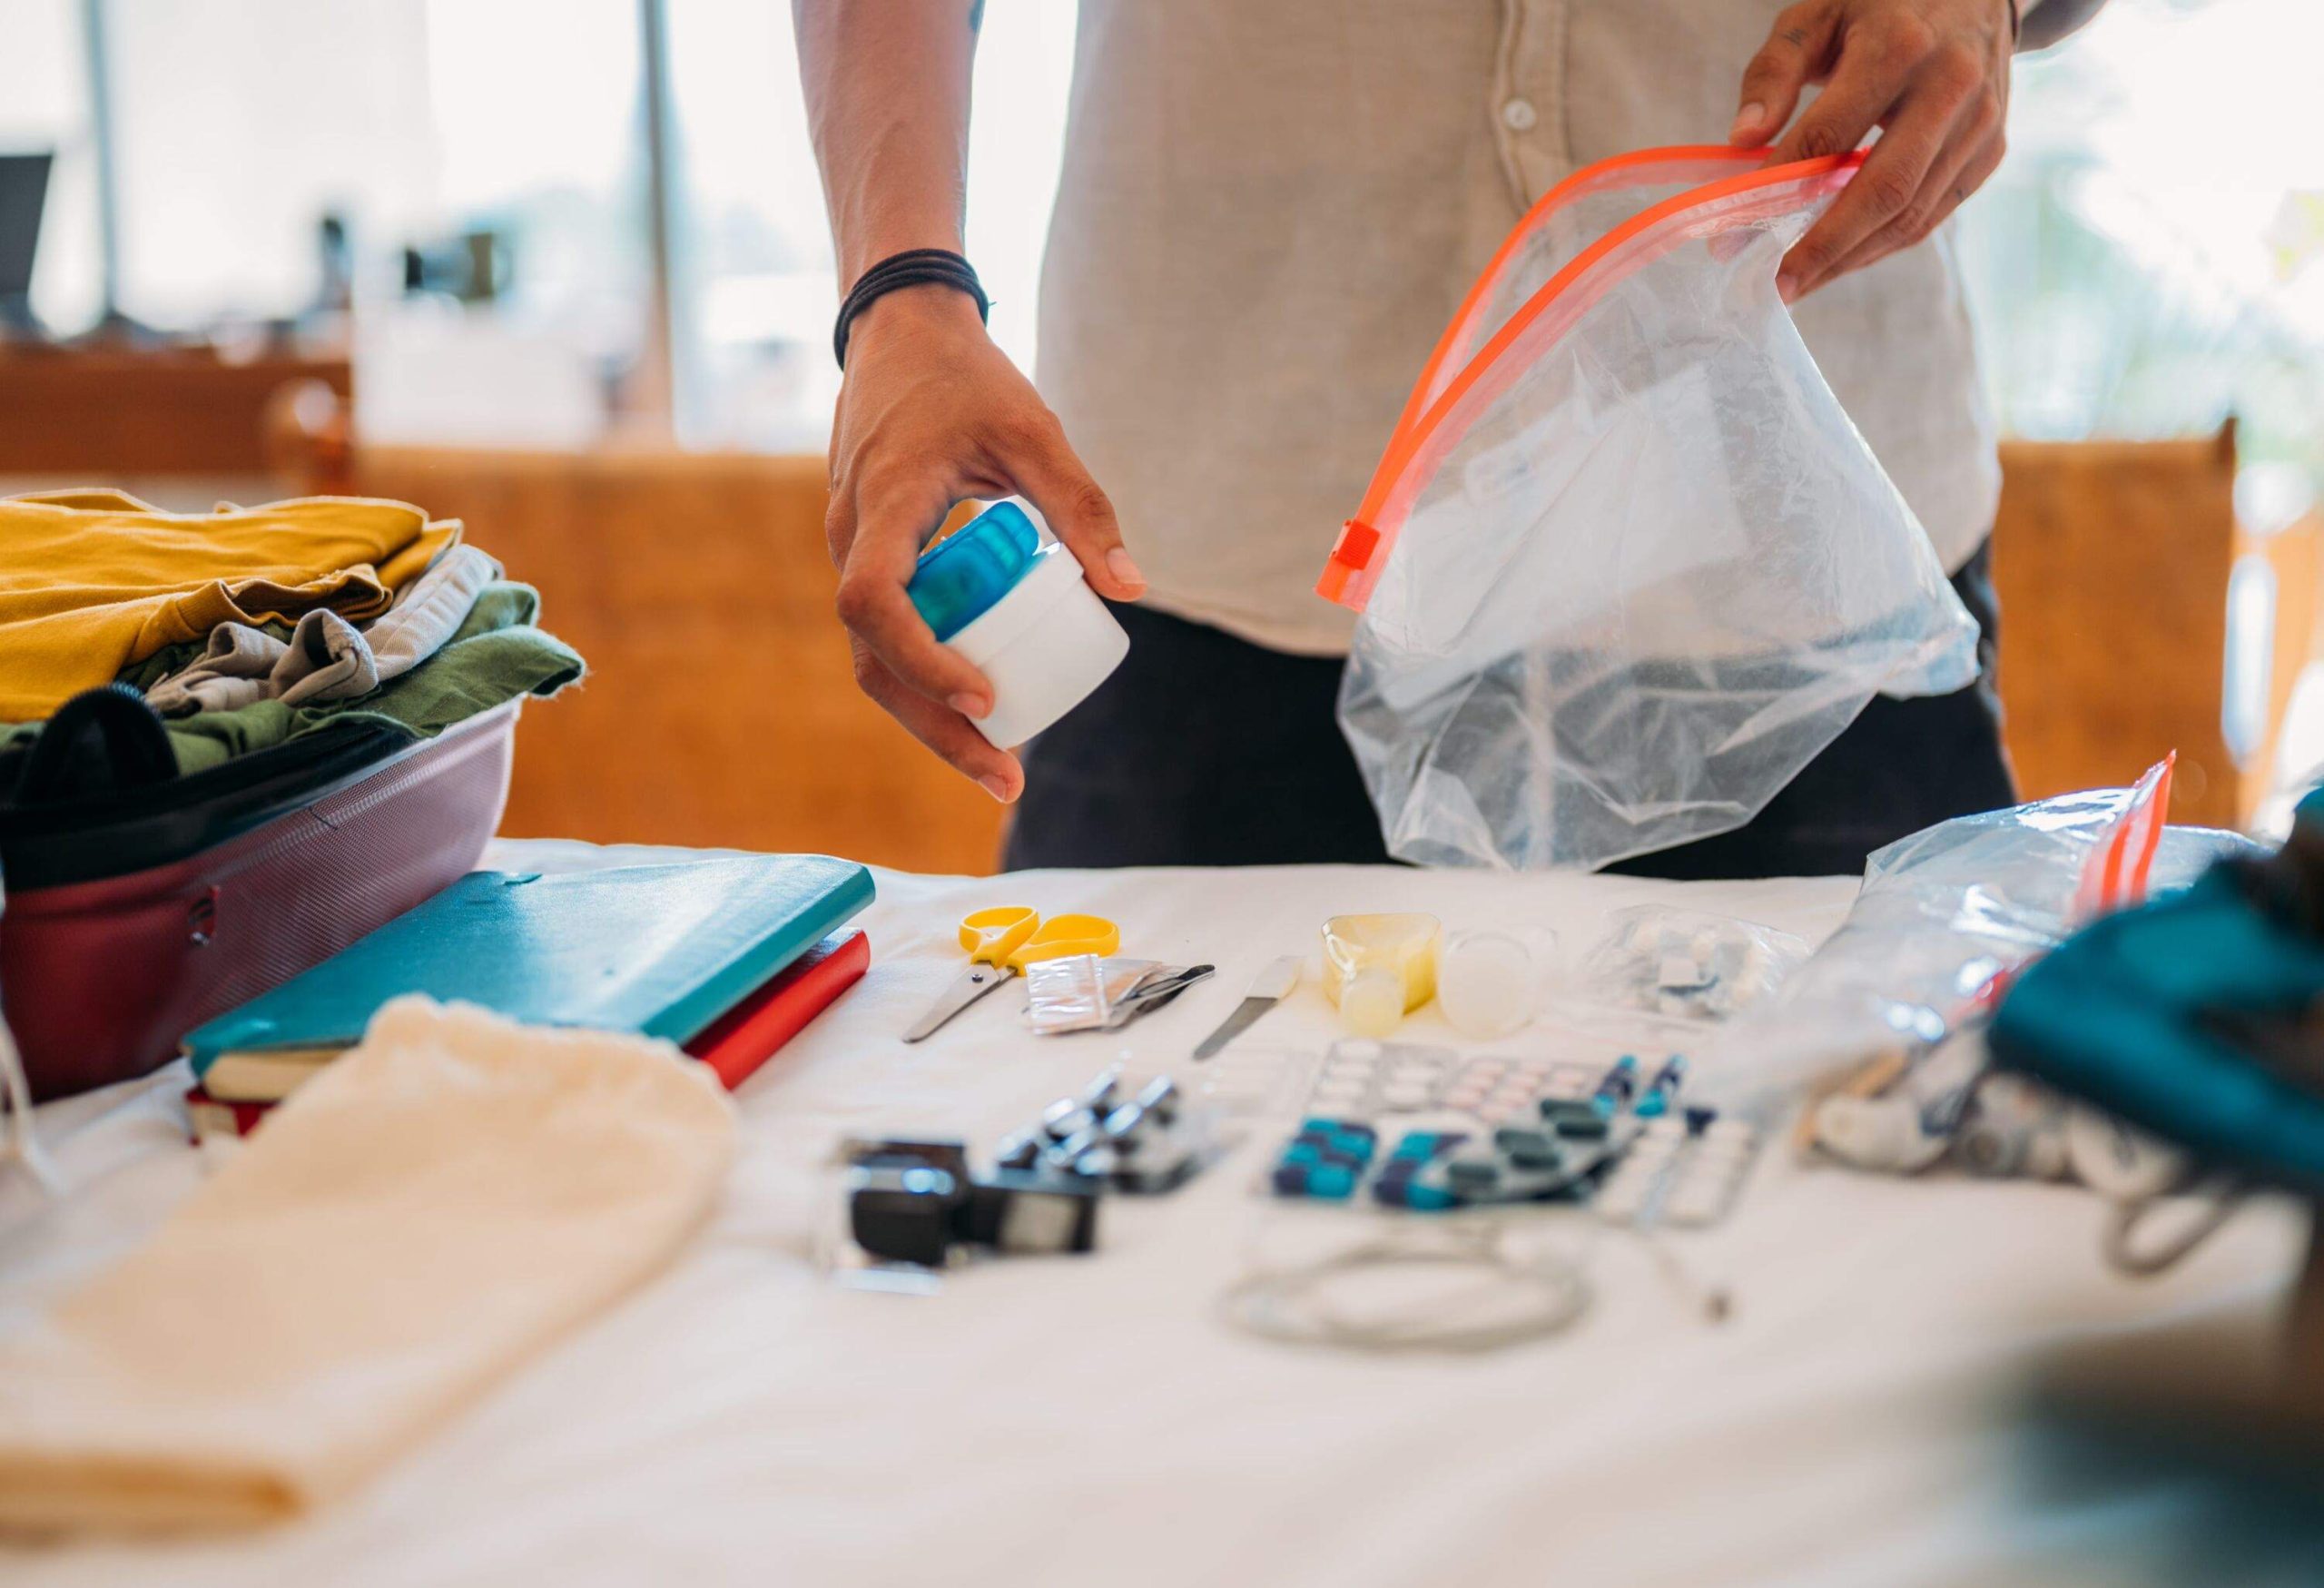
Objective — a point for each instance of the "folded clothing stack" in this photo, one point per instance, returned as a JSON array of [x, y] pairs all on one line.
[[240, 740], [248, 629]]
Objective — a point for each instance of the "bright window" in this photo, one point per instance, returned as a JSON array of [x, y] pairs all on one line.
[[2151, 257], [2147, 261], [757, 268], [45, 107]]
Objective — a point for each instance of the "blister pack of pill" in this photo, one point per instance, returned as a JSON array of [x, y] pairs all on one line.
[[1432, 1170], [1325, 1161], [1360, 1078], [1425, 1129], [1144, 1138], [1683, 1170]]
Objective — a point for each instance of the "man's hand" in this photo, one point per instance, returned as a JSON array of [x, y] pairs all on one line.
[[1932, 74], [932, 413]]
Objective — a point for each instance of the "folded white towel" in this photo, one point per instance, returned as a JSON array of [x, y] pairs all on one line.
[[435, 1206]]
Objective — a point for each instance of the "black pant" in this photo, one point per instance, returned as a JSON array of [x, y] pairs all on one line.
[[1204, 749]]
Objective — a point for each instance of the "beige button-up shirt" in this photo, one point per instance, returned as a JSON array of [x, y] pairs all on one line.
[[1269, 208]]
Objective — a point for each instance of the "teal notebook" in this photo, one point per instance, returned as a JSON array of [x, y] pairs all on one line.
[[658, 949]]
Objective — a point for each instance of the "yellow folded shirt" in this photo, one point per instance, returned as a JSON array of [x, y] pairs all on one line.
[[94, 580]]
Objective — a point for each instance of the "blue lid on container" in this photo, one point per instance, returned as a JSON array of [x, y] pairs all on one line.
[[961, 576]]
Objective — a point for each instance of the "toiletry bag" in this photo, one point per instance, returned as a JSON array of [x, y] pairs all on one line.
[[140, 904]]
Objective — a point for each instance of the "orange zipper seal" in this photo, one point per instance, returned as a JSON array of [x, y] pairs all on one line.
[[1589, 179], [1349, 575]]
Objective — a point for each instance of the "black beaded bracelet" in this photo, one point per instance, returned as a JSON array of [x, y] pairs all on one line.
[[915, 267]]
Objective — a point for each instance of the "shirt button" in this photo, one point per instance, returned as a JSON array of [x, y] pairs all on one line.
[[1519, 115]]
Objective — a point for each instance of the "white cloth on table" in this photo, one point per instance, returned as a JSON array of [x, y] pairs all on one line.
[[328, 657], [439, 1204], [1868, 1415]]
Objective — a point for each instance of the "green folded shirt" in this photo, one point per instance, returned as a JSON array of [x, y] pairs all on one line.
[[493, 657]]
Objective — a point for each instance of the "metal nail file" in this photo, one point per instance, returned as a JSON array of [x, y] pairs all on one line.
[[1270, 987]]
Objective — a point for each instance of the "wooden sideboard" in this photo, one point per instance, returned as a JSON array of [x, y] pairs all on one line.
[[103, 414], [2113, 561], [721, 710], [721, 706]]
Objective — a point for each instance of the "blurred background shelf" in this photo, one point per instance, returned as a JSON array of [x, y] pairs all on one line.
[[101, 414], [721, 706], [2141, 614], [722, 709]]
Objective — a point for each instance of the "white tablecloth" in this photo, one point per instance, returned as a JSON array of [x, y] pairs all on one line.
[[1872, 1413]]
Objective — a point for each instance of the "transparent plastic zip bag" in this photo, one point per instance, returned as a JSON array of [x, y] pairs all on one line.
[[1569, 218], [1628, 567], [1945, 917]]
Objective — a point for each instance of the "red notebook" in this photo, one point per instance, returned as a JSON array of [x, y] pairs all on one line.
[[747, 1035], [734, 1045], [208, 1118]]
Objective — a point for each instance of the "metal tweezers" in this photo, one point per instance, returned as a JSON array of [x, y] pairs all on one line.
[[1152, 993]]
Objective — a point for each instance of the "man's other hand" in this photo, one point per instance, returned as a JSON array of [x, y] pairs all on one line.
[[1932, 74]]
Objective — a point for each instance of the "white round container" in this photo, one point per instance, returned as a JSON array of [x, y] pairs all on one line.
[[1044, 646], [1490, 984]]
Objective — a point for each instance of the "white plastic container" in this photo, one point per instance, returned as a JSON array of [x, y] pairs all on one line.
[[1016, 606], [1491, 984], [1045, 646]]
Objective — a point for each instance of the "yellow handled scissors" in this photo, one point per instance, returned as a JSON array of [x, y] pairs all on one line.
[[1001, 942]]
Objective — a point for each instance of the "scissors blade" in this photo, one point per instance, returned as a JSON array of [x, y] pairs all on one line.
[[974, 983]]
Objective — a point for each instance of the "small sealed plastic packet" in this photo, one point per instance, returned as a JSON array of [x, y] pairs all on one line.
[[1688, 964], [1079, 993], [1626, 565]]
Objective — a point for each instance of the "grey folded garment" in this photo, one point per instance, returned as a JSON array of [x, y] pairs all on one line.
[[328, 657]]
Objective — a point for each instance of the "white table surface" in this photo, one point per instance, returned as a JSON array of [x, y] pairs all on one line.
[[1870, 1414]]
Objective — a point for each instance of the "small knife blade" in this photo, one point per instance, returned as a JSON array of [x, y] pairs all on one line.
[[1271, 986]]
